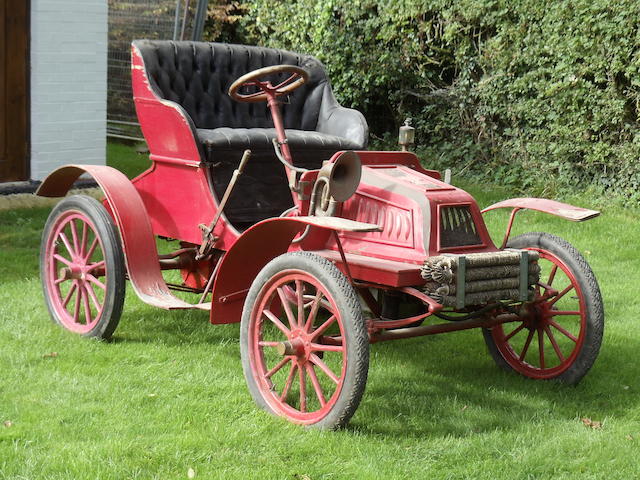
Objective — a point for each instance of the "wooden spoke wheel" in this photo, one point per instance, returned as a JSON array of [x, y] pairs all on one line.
[[560, 333], [82, 267], [304, 345]]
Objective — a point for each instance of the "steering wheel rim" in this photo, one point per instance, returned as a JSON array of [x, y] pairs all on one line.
[[297, 78]]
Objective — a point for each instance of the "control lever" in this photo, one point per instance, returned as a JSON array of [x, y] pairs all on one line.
[[208, 239]]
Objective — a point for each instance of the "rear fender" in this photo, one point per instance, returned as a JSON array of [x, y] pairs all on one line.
[[253, 250], [130, 215]]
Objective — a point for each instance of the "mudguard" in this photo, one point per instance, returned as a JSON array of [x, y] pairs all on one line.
[[130, 215], [254, 249], [559, 209]]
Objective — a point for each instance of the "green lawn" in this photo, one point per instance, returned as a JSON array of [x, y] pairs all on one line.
[[167, 395]]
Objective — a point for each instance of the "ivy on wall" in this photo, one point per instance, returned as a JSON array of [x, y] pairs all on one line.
[[538, 94]]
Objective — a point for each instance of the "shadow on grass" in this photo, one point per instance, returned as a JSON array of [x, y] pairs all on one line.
[[428, 394], [436, 386], [147, 325]]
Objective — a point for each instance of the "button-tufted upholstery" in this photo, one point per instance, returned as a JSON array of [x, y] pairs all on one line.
[[197, 76]]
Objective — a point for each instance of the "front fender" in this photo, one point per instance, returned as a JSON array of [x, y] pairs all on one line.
[[559, 209], [130, 215], [254, 249]]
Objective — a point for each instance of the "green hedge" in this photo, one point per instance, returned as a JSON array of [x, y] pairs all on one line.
[[538, 94]]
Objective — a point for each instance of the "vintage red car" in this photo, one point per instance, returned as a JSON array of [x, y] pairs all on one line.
[[316, 245]]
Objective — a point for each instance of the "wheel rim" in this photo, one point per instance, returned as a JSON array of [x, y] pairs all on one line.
[[549, 338], [76, 273], [296, 347]]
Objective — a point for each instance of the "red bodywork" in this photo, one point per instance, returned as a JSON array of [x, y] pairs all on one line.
[[174, 197]]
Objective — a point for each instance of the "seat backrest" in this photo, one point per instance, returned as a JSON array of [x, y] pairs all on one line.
[[197, 76]]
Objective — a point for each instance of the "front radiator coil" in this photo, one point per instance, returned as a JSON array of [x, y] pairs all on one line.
[[478, 278]]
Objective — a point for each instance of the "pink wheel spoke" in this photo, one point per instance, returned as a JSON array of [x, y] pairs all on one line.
[[326, 348], [287, 307], [323, 327], [526, 345], [74, 237], [558, 327], [93, 246], [276, 321], [315, 305], [83, 241], [552, 275], [268, 344], [560, 295], [309, 300], [93, 266], [324, 367], [546, 286], [287, 385], [94, 298], [58, 281], [316, 384], [67, 245], [277, 368], [512, 334], [303, 389], [95, 281], [553, 313], [60, 258], [76, 310], [554, 344], [300, 299], [67, 298], [541, 347], [87, 308]]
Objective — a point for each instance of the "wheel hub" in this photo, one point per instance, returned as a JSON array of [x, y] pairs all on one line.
[[537, 315], [299, 344], [77, 271]]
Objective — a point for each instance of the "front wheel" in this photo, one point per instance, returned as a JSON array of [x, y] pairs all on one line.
[[560, 332], [303, 342]]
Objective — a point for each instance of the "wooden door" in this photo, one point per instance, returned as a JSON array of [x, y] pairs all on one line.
[[14, 92]]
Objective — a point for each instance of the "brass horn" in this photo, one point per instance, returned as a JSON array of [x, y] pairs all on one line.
[[336, 182]]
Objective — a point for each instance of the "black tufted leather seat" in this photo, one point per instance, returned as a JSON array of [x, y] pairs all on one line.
[[197, 76]]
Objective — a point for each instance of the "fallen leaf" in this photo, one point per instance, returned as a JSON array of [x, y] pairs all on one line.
[[464, 408], [151, 395], [191, 473], [592, 424], [50, 355], [625, 387], [8, 423], [629, 437]]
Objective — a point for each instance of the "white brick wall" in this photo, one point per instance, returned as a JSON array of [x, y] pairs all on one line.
[[68, 83]]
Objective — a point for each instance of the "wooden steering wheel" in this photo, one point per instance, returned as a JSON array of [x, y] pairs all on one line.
[[252, 79]]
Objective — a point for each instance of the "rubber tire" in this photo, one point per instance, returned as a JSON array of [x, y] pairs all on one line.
[[357, 340], [593, 303], [114, 262]]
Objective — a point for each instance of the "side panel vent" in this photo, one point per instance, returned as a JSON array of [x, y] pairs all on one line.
[[457, 228]]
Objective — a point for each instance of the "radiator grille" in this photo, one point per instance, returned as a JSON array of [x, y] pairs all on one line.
[[457, 228]]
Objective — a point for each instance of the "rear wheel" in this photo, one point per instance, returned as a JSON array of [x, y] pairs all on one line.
[[559, 334], [82, 267], [304, 345]]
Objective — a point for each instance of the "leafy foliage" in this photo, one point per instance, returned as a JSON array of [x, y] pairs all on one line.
[[536, 94]]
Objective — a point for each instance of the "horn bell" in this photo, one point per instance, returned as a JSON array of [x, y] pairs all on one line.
[[343, 175]]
